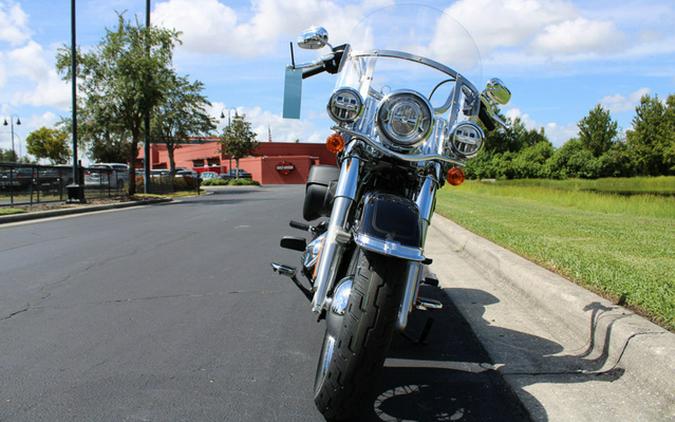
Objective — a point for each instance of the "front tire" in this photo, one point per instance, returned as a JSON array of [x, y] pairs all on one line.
[[355, 344]]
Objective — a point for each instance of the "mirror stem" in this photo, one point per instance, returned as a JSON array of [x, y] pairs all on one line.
[[292, 56]]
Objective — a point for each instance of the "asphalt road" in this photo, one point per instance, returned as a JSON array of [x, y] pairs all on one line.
[[171, 313]]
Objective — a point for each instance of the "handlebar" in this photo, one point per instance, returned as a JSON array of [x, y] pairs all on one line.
[[331, 63]]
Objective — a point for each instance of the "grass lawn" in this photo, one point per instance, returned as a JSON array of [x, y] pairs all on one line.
[[621, 185], [10, 211], [181, 194], [622, 247]]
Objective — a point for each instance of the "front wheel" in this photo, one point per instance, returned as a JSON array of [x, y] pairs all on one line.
[[356, 342]]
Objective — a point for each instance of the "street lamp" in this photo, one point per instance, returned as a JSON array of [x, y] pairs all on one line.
[[11, 130], [229, 121], [75, 189]]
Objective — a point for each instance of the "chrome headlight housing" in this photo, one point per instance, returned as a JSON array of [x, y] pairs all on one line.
[[345, 105], [466, 139], [404, 118]]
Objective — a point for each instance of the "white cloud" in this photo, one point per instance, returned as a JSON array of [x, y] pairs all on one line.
[[508, 23], [537, 32], [618, 103], [47, 88], [29, 68], [209, 26], [13, 24], [556, 133], [578, 36], [283, 130]]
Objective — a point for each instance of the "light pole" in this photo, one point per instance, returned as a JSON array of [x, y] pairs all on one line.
[[11, 130], [146, 121], [229, 121], [75, 190]]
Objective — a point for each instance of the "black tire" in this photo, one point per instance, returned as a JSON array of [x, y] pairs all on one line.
[[360, 337]]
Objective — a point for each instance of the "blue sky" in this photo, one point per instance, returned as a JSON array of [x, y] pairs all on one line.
[[559, 57]]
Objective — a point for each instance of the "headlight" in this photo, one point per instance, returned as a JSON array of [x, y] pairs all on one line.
[[404, 118], [466, 139], [345, 105]]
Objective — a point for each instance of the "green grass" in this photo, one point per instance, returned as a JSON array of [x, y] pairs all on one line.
[[10, 211], [618, 246], [180, 194], [624, 185]]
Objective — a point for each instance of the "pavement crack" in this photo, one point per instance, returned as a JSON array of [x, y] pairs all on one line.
[[15, 313]]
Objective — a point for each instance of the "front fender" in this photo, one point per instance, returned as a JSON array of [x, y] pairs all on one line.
[[390, 225]]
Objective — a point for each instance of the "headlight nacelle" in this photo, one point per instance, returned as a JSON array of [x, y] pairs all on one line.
[[345, 105], [404, 118]]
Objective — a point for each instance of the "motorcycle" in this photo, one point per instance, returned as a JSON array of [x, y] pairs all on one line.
[[395, 147]]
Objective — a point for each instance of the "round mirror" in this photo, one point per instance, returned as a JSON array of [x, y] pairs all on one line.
[[313, 38]]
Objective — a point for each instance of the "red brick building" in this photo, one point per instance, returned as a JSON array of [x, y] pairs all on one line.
[[271, 162]]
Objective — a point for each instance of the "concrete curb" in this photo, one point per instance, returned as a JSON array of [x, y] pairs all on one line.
[[79, 210], [566, 352]]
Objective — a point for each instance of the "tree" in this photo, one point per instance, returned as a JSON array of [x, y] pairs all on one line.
[[652, 137], [573, 159], [180, 115], [7, 156], [530, 162], [122, 79], [51, 144], [597, 131], [104, 142], [618, 161], [238, 139]]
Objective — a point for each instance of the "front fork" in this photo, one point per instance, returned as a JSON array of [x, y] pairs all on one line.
[[337, 237], [425, 205], [336, 234]]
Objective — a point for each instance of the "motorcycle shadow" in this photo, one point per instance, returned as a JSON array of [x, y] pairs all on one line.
[[449, 378]]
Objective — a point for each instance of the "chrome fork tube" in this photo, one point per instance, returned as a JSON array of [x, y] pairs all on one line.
[[336, 235], [425, 205]]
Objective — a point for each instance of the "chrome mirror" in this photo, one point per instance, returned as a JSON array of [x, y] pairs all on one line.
[[313, 38], [497, 92]]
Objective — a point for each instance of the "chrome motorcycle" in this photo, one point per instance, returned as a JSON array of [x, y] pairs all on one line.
[[395, 147]]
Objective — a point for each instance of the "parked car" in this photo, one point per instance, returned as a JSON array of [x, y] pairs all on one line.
[[159, 172], [232, 174], [182, 171], [209, 175], [102, 174]]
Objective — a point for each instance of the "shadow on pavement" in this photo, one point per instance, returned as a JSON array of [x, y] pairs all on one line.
[[447, 379], [451, 378]]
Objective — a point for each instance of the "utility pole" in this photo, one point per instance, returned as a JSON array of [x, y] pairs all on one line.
[[75, 190], [146, 143]]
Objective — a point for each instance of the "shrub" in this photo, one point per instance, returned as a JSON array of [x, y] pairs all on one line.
[[214, 182], [242, 182]]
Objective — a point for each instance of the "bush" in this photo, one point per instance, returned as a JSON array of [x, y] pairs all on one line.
[[242, 182], [573, 160], [214, 182]]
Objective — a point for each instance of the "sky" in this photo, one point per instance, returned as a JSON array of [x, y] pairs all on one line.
[[558, 57]]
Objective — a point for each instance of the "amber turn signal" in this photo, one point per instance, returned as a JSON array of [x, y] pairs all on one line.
[[335, 143], [455, 176]]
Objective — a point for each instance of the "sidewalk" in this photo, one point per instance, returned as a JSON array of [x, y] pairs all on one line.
[[567, 353]]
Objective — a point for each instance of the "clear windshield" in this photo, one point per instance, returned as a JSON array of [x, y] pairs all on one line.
[[421, 32]]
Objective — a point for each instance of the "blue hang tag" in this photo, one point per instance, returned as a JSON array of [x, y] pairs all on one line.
[[292, 93]]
